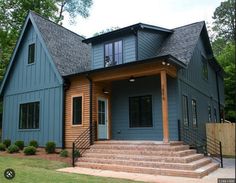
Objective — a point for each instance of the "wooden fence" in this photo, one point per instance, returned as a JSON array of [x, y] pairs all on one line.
[[225, 132]]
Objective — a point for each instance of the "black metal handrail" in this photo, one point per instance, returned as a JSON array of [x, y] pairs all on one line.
[[83, 142], [208, 145]]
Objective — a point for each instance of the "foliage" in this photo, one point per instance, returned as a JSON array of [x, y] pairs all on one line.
[[76, 153], [30, 150], [34, 143], [224, 20], [106, 31], [50, 147], [227, 61], [41, 171], [7, 142], [2, 147], [20, 144], [64, 153], [13, 149]]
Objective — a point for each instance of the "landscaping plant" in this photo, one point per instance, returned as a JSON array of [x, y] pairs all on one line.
[[50, 147]]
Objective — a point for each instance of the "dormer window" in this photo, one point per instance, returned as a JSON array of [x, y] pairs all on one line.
[[31, 54], [113, 53]]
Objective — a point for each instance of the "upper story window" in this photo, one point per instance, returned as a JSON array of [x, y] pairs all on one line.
[[113, 53], [31, 54], [204, 68]]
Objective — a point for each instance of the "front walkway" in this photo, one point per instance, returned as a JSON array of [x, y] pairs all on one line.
[[227, 172]]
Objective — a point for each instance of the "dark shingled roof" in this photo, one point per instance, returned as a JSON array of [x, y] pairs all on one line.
[[68, 52], [182, 41]]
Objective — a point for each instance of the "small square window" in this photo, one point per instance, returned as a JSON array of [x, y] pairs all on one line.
[[31, 53]]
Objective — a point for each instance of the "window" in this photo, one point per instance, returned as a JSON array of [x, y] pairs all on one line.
[[113, 53], [31, 53], [204, 68], [194, 112], [215, 115], [140, 111], [185, 110], [77, 110], [29, 115], [209, 113]]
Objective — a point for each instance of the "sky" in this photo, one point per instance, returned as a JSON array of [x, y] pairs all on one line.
[[163, 13]]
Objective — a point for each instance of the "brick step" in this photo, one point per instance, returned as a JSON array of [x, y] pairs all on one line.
[[185, 159], [181, 166], [143, 152], [198, 173], [140, 147], [130, 142]]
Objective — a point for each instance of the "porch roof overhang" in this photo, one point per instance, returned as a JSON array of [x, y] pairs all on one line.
[[147, 67]]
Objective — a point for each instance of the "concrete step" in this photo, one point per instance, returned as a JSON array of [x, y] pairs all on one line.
[[143, 152], [198, 173], [127, 157], [183, 166]]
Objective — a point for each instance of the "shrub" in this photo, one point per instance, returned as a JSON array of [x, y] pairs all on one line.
[[64, 153], [34, 143], [2, 147], [30, 150], [76, 153], [7, 142], [50, 147], [13, 149], [20, 144]]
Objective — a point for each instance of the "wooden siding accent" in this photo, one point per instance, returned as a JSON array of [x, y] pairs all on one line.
[[139, 70], [79, 86], [164, 101]]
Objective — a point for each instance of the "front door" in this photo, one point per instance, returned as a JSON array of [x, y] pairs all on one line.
[[102, 119]]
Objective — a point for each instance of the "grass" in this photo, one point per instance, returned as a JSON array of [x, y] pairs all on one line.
[[43, 171]]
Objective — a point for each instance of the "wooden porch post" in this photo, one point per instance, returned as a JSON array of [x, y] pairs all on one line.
[[164, 102]]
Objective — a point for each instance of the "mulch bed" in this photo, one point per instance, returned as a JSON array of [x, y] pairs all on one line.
[[40, 154]]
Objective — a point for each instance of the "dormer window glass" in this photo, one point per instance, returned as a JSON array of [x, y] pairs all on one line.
[[113, 53]]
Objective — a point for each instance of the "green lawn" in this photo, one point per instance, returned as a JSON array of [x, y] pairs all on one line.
[[43, 171]]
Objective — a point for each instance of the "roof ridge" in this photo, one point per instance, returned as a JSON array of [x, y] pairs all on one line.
[[189, 24], [37, 14]]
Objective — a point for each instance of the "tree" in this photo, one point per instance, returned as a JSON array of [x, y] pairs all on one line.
[[13, 13], [224, 21], [106, 31]]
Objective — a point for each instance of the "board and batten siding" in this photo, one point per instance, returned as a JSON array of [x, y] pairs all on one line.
[[122, 90], [149, 43], [129, 51], [195, 86], [30, 83]]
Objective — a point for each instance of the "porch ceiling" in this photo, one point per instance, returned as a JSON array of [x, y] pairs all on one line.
[[134, 70]]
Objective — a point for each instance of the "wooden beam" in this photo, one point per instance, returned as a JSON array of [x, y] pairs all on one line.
[[164, 102]]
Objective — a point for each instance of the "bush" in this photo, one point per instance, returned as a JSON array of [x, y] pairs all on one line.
[[13, 149], [30, 150], [20, 144], [7, 142], [50, 147], [34, 143], [64, 153], [2, 147], [76, 153]]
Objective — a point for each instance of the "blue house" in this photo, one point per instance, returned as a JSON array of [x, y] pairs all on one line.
[[141, 82]]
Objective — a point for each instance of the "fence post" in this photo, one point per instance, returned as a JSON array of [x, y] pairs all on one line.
[[221, 158], [73, 154]]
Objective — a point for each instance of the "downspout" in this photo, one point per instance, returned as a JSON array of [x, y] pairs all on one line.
[[66, 86], [218, 94], [90, 108]]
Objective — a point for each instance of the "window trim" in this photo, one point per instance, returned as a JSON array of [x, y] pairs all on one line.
[[139, 127], [113, 48], [187, 107], [194, 125], [209, 107], [215, 114], [19, 115], [82, 108], [31, 43]]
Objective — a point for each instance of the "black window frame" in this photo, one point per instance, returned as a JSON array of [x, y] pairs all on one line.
[[209, 113], [194, 113], [113, 55], [204, 68], [77, 120], [31, 53], [215, 115], [185, 111], [139, 124], [32, 120]]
